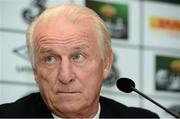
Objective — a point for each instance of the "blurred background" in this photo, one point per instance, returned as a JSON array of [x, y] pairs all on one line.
[[145, 38]]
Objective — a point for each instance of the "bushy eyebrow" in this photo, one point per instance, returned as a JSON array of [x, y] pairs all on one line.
[[82, 47], [45, 50]]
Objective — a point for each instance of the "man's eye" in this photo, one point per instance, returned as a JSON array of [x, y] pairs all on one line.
[[78, 57], [50, 59]]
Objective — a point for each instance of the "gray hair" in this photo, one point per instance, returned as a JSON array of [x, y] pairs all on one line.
[[75, 13]]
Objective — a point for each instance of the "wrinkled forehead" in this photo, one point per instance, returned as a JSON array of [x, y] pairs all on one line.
[[62, 28]]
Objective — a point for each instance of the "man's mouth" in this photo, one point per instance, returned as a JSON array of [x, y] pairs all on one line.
[[68, 92]]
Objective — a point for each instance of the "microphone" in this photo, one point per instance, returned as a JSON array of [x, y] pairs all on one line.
[[127, 85]]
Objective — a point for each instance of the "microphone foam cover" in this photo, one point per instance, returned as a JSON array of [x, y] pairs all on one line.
[[125, 84]]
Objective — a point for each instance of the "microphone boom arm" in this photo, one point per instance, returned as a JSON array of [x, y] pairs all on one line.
[[137, 91]]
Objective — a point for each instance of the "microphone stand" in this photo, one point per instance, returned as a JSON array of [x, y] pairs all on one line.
[[145, 96]]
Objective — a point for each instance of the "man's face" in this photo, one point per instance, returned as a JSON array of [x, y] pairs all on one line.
[[68, 66]]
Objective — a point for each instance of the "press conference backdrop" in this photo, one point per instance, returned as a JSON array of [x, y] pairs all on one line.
[[146, 42]]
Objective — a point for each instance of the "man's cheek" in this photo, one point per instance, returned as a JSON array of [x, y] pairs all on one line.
[[42, 75]]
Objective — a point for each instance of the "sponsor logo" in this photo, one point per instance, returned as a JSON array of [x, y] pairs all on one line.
[[35, 9], [165, 24], [23, 54], [167, 75]]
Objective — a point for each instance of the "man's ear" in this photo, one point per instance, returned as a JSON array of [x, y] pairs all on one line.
[[108, 60]]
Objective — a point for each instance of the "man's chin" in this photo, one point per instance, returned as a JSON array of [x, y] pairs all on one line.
[[70, 110], [69, 101]]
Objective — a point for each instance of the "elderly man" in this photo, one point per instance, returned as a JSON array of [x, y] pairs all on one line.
[[71, 56]]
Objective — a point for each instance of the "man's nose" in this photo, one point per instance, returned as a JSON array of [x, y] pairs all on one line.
[[66, 74]]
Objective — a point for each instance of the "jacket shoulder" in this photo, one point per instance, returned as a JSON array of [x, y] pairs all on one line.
[[20, 104], [113, 109], [28, 106]]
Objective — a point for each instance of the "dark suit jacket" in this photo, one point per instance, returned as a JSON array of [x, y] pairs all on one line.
[[33, 106]]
